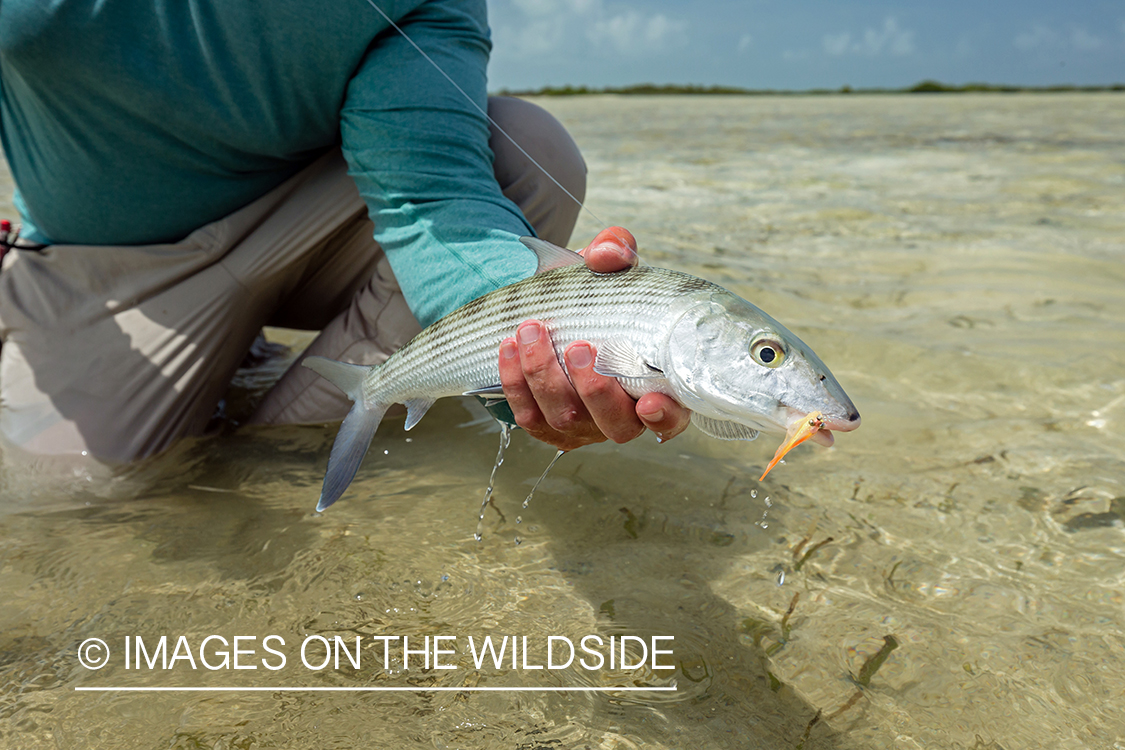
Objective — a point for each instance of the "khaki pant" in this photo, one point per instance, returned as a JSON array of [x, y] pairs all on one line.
[[118, 351]]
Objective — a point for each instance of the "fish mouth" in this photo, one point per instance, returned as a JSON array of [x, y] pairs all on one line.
[[850, 422], [813, 426], [845, 423]]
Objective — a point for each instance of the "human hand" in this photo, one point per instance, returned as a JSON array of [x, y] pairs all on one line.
[[587, 407]]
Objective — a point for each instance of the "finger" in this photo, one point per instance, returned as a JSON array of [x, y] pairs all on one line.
[[557, 400], [616, 235], [614, 249], [612, 409], [524, 409], [662, 415]]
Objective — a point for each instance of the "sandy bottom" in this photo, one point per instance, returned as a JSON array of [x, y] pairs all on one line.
[[957, 262]]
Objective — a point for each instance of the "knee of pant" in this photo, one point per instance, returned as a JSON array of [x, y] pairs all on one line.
[[547, 205]]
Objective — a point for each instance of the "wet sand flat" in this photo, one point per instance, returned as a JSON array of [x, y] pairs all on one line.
[[957, 261]]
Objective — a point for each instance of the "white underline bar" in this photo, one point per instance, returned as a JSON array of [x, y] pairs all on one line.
[[372, 689]]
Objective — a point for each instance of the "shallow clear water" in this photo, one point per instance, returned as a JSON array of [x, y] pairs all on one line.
[[957, 261]]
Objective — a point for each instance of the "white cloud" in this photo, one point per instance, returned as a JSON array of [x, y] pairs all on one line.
[[890, 39], [837, 44], [899, 42], [535, 8], [536, 37], [631, 30], [1084, 40], [745, 43], [539, 8], [660, 28], [531, 28]]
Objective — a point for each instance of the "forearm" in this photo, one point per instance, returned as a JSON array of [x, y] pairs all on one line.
[[418, 151]]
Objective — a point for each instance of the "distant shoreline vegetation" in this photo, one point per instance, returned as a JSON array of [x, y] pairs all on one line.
[[923, 87]]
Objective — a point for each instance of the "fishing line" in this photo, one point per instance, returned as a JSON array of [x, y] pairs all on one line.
[[478, 108], [505, 428]]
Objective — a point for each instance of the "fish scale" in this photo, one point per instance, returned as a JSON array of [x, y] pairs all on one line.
[[655, 330], [459, 352]]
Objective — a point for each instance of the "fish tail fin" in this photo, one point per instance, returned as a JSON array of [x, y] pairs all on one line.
[[355, 433], [349, 449]]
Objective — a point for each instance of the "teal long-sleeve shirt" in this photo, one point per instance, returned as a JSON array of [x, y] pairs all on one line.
[[136, 122]]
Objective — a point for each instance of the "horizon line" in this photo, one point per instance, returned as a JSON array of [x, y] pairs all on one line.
[[926, 86]]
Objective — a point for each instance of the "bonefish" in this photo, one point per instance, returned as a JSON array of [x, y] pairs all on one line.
[[738, 370]]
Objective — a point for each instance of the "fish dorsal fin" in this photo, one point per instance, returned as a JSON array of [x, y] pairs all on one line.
[[723, 430], [416, 408], [550, 256], [617, 358]]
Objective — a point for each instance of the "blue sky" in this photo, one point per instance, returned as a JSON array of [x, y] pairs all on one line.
[[809, 44]]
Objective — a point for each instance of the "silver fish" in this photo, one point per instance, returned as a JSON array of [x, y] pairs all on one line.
[[737, 369]]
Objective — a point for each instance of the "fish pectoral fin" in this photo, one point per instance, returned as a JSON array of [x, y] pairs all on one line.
[[489, 392], [495, 401], [550, 256], [617, 358], [489, 396], [721, 429], [416, 408], [347, 452], [347, 377]]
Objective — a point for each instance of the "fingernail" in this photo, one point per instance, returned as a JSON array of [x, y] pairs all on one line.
[[623, 252], [528, 333], [655, 416], [579, 356], [508, 349]]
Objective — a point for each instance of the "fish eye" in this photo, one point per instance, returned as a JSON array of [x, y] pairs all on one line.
[[767, 351]]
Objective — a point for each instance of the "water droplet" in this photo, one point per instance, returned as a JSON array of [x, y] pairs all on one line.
[[386, 452], [542, 476], [519, 519], [518, 541], [765, 511], [359, 597], [781, 578], [505, 439], [410, 440], [753, 493]]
